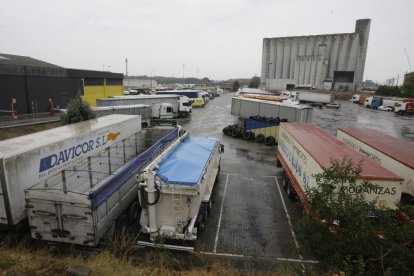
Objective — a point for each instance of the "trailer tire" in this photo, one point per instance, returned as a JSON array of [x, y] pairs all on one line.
[[234, 132], [260, 138], [270, 141], [134, 212], [284, 181], [246, 135], [290, 192], [226, 130], [121, 225]]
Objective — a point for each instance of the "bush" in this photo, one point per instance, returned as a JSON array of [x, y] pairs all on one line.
[[348, 233], [77, 110]]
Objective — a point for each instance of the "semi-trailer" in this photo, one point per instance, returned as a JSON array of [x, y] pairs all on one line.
[[176, 189], [304, 150], [312, 97], [97, 196], [145, 111], [246, 108], [259, 119], [31, 159], [163, 106], [390, 152]]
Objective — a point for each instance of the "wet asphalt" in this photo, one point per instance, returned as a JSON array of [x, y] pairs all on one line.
[[251, 215]]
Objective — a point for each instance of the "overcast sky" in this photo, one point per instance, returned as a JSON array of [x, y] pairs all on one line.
[[218, 39]]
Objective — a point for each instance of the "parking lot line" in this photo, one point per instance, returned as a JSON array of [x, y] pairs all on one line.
[[221, 213], [289, 220], [257, 257]]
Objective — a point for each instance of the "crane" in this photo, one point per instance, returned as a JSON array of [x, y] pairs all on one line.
[[408, 59]]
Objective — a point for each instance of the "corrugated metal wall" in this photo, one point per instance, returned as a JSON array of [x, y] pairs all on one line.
[[309, 60]]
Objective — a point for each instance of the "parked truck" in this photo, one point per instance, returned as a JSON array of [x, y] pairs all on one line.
[[176, 189], [373, 102], [313, 97], [304, 150], [31, 159], [98, 196], [355, 98], [198, 98], [392, 153], [163, 106], [404, 108]]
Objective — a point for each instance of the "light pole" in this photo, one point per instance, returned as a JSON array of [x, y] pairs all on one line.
[[183, 71], [268, 76]]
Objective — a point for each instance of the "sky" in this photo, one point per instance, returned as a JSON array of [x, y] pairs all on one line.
[[218, 39]]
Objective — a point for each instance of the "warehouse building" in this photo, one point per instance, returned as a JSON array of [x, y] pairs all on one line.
[[36, 85], [329, 62]]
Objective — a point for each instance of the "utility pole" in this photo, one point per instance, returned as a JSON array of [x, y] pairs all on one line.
[[126, 67]]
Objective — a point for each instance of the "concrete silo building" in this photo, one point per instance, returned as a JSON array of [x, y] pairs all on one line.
[[330, 62]]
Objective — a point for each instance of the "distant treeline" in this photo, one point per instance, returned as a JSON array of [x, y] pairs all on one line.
[[168, 80], [405, 91]]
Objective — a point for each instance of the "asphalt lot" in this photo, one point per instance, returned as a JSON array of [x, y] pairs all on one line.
[[251, 215]]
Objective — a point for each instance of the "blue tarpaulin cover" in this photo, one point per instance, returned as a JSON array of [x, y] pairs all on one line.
[[185, 165]]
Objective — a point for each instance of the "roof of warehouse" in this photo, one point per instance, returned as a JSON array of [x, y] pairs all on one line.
[[24, 61], [393, 147], [324, 147]]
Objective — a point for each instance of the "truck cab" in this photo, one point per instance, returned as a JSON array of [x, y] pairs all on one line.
[[368, 101], [404, 108], [376, 102], [185, 106], [163, 111]]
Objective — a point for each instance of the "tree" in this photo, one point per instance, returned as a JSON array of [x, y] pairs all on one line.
[[408, 86], [254, 82], [236, 85], [347, 232], [77, 110], [384, 90]]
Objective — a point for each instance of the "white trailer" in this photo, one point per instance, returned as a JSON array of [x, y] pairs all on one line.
[[30, 159], [176, 189], [181, 106], [390, 152], [88, 201], [305, 149], [246, 108], [313, 97], [143, 110]]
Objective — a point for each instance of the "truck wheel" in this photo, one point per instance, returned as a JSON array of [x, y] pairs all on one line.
[[121, 225], [270, 141], [290, 192], [400, 112], [134, 212], [260, 138]]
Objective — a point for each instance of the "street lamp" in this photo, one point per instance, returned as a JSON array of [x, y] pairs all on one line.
[[268, 76]]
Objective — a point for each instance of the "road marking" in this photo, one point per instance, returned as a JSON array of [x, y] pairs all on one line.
[[289, 220], [221, 214]]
